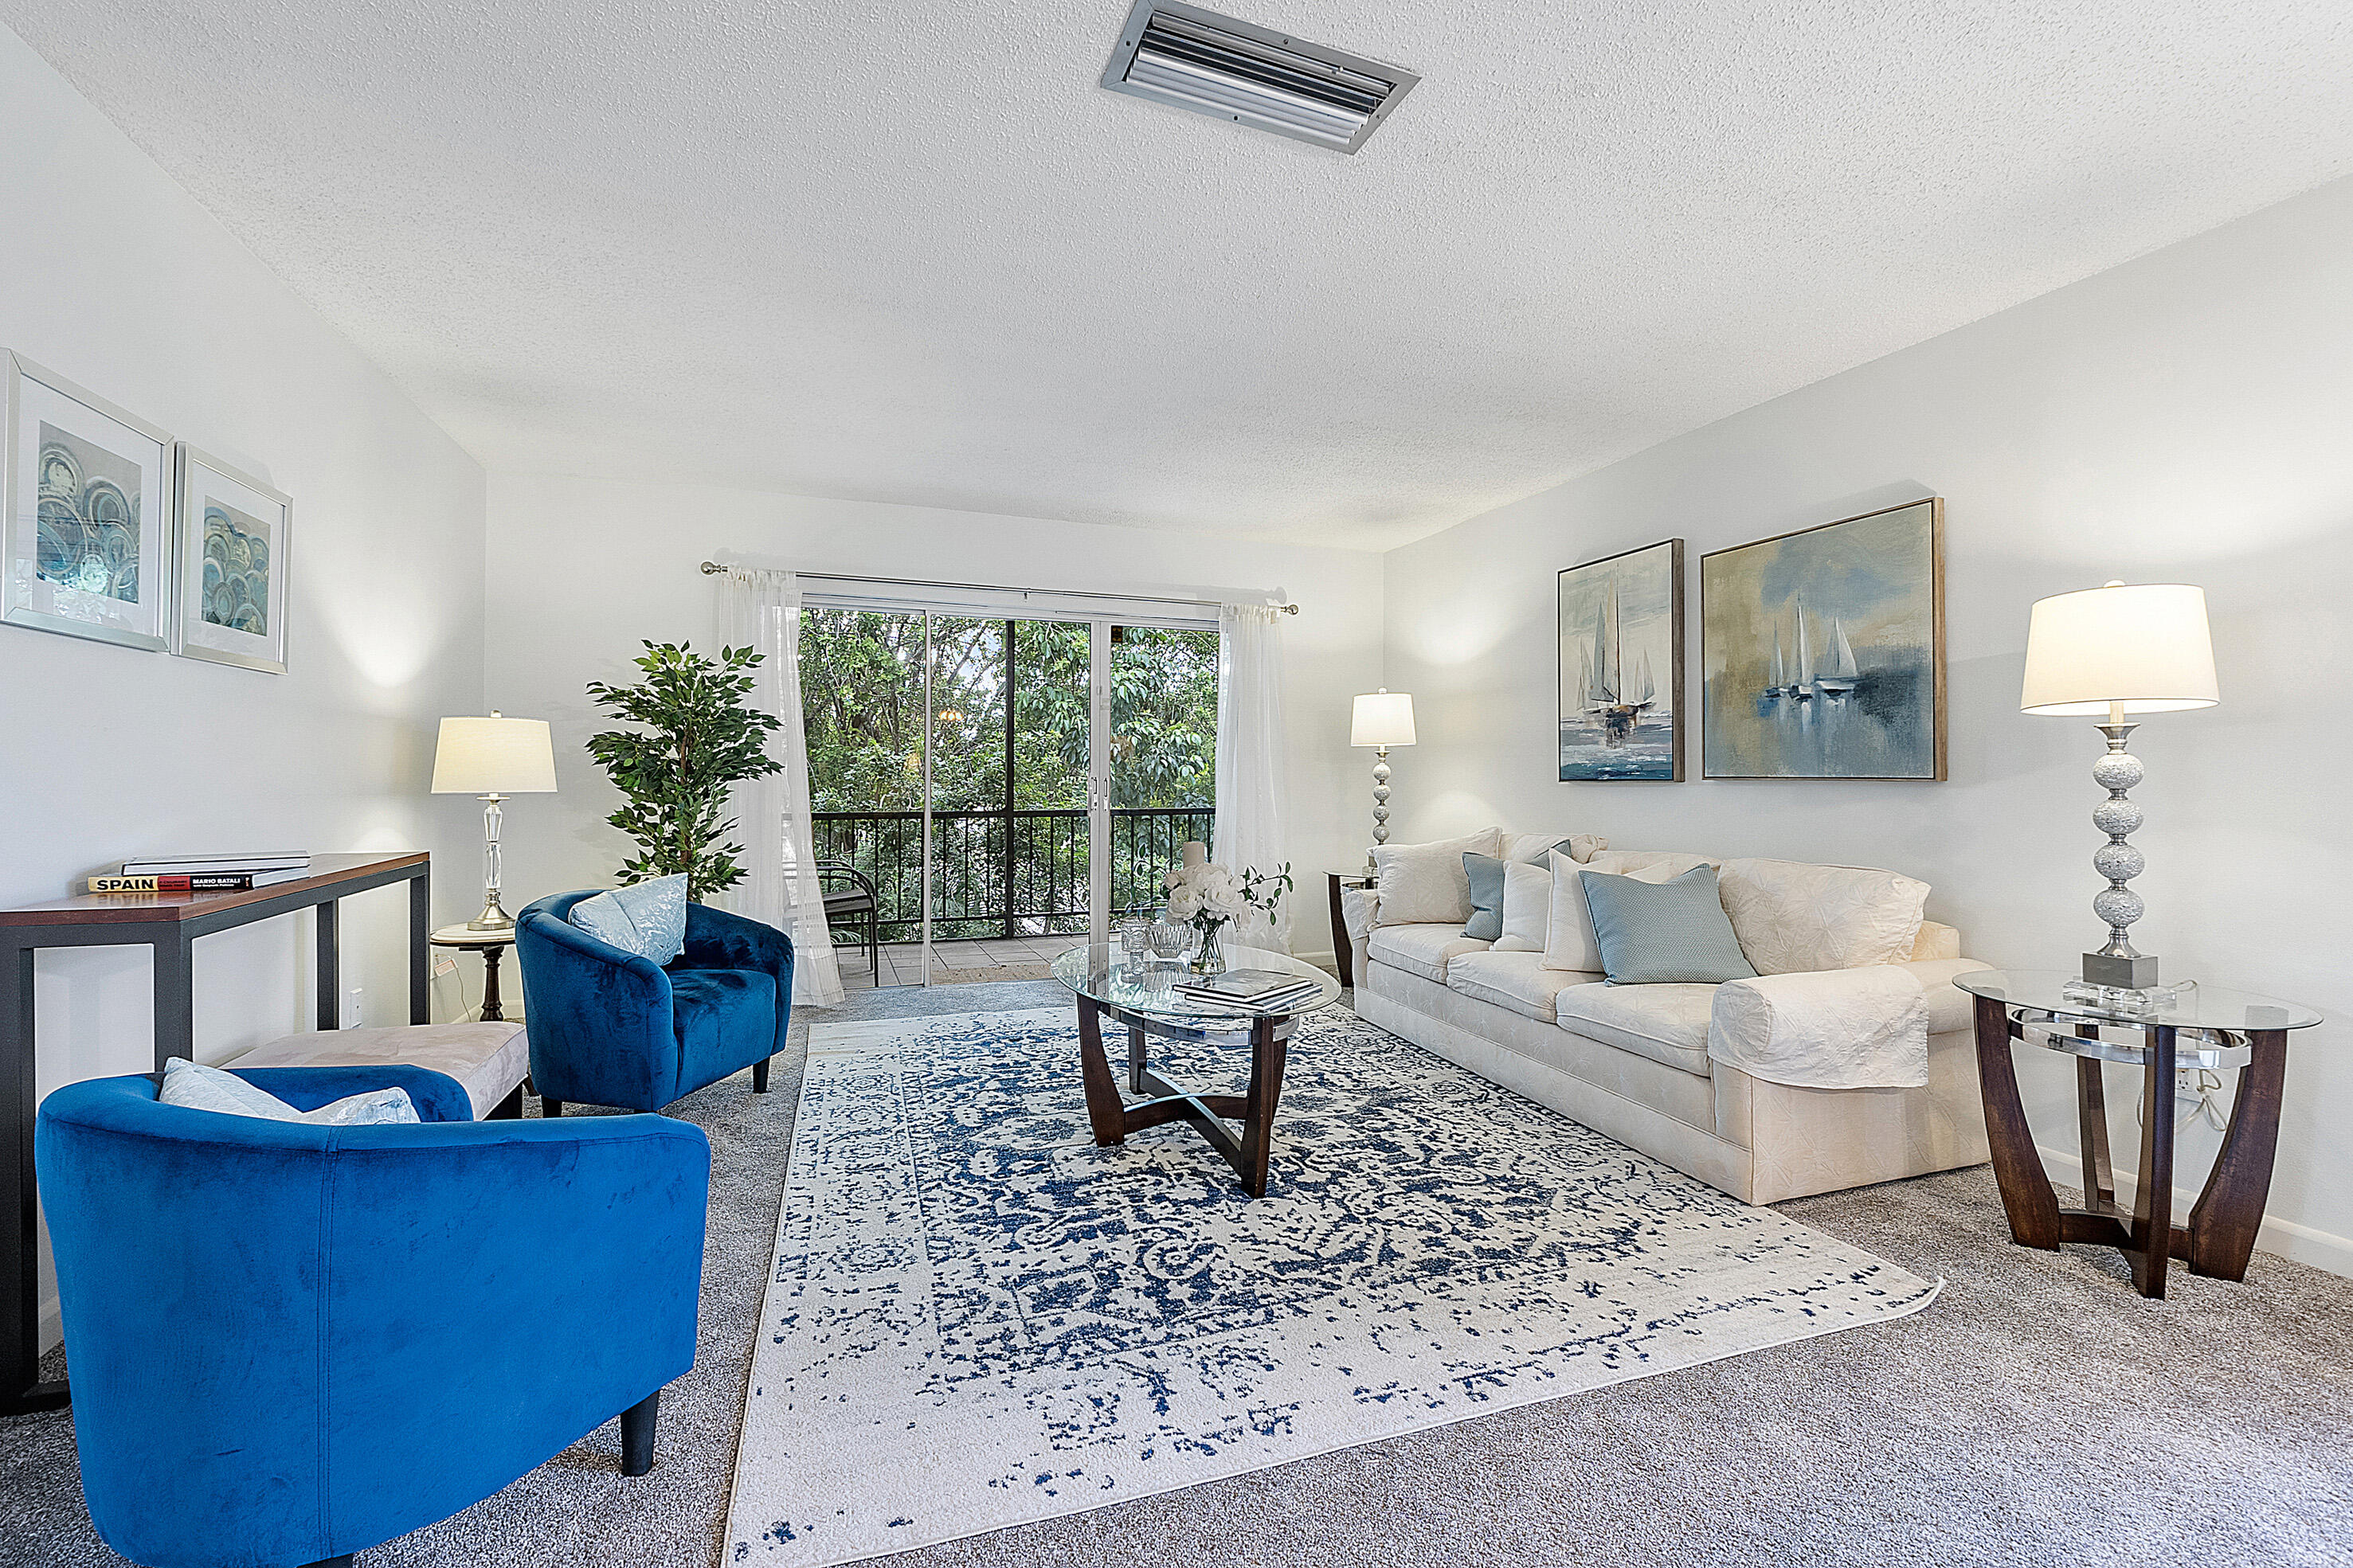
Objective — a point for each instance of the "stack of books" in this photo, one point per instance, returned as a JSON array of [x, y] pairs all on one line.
[[1251, 990], [206, 873]]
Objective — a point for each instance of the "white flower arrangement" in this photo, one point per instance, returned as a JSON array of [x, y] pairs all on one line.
[[1206, 896]]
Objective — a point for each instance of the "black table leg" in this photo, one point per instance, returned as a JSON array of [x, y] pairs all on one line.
[[176, 1002], [21, 1390], [494, 1012], [420, 947], [2152, 1221], [331, 981]]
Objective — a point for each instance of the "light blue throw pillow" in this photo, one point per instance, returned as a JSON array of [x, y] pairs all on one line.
[[1486, 873], [197, 1086], [647, 919], [1663, 934]]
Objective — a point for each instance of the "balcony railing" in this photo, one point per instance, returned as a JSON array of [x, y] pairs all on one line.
[[998, 873]]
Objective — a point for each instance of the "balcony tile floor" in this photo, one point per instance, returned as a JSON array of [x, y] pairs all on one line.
[[903, 963]]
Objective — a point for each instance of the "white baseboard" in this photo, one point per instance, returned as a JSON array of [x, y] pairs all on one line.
[[2285, 1236]]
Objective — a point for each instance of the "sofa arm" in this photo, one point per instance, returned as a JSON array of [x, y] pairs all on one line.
[[437, 1095], [1865, 1027], [1360, 909], [716, 939], [1949, 1006]]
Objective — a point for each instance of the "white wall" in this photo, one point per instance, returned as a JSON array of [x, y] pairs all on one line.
[[2187, 416], [587, 568], [115, 278]]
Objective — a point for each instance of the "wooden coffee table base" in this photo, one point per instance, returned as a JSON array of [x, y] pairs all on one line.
[[2222, 1230], [1115, 1119]]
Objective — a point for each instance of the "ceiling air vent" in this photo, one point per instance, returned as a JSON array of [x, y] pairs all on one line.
[[1210, 64]]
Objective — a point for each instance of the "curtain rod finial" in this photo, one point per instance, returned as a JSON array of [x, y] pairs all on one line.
[[713, 568]]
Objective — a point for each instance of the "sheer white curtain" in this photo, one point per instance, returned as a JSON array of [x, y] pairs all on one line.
[[1250, 757], [763, 610]]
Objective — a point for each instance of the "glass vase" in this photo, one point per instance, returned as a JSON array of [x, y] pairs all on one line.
[[1209, 960]]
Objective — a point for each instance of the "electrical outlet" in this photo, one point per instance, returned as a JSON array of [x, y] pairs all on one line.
[[443, 966], [352, 1012]]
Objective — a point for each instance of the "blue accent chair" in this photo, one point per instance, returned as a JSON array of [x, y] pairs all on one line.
[[290, 1341], [608, 1028]]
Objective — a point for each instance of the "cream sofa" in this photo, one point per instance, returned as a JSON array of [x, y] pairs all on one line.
[[1634, 1061]]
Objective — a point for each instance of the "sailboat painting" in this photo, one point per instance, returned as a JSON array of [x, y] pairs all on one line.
[[1621, 666], [1822, 652]]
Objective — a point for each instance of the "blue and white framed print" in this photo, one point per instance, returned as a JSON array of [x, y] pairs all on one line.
[[86, 533], [231, 590]]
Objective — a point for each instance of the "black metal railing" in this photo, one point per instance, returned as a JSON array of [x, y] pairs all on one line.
[[998, 873]]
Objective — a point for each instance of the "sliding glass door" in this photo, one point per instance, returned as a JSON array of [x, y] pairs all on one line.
[[1000, 786]]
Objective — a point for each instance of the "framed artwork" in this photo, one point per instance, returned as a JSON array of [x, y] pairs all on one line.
[[1619, 623], [231, 588], [88, 517], [1822, 652]]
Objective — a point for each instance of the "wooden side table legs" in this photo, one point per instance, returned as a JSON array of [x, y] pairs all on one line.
[[2220, 1234]]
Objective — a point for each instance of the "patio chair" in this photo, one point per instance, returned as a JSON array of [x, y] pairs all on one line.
[[852, 902]]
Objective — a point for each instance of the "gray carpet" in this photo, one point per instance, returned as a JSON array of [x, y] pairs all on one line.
[[2040, 1412]]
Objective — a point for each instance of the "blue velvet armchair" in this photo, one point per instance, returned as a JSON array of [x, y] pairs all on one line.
[[290, 1341], [608, 1028]]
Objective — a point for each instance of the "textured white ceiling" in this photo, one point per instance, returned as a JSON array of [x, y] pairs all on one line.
[[910, 251]]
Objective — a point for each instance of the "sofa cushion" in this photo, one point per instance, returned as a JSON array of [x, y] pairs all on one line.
[[1626, 862], [1423, 950], [1569, 944], [1518, 980], [1795, 918], [1668, 1024], [1532, 848], [1665, 932], [1422, 884], [1527, 908]]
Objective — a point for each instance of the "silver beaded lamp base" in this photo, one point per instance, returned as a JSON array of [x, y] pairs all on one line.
[[2118, 976]]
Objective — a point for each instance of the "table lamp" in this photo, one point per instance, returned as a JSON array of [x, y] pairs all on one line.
[[2108, 653], [1382, 719], [493, 758]]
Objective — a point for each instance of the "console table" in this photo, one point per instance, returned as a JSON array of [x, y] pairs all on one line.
[[170, 923], [2204, 1026]]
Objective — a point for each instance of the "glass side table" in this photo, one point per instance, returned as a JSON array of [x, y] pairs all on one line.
[[2201, 1027]]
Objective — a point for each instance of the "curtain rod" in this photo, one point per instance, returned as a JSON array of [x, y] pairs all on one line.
[[713, 568]]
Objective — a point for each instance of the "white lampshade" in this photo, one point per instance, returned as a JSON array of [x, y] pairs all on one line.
[[496, 755], [1383, 718], [2143, 648]]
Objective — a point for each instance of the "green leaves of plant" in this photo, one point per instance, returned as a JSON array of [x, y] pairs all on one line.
[[700, 737]]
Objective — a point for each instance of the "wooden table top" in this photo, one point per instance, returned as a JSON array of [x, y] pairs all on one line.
[[133, 908]]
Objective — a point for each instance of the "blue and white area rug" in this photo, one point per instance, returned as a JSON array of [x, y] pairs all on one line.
[[978, 1318]]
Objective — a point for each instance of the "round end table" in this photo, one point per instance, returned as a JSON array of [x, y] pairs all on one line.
[[2201, 1025], [491, 945]]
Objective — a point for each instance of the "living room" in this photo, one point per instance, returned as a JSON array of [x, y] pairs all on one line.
[[1574, 514]]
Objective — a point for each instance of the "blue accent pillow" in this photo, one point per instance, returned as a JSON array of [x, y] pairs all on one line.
[[1486, 873], [1663, 934], [647, 919]]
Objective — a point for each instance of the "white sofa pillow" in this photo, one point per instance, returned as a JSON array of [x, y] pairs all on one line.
[[1626, 862], [1424, 884], [1527, 908], [1531, 848], [1570, 943], [1793, 918]]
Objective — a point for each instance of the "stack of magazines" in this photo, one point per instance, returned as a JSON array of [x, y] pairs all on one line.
[[206, 873], [1251, 990]]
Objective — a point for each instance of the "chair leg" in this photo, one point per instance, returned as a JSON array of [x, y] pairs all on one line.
[[550, 1106], [760, 1076], [637, 1434]]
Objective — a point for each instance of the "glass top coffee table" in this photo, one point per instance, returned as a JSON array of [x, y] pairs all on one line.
[[1146, 1004], [2201, 1025]]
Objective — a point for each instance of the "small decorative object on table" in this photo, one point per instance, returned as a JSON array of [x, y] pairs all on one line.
[[1206, 896], [1134, 940], [2106, 653], [1170, 938]]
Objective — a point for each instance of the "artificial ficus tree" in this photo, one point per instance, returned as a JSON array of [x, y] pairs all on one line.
[[701, 738]]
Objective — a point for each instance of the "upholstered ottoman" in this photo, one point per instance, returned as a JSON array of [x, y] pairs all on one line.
[[490, 1059]]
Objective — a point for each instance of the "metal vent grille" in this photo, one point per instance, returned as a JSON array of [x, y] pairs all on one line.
[[1235, 70]]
